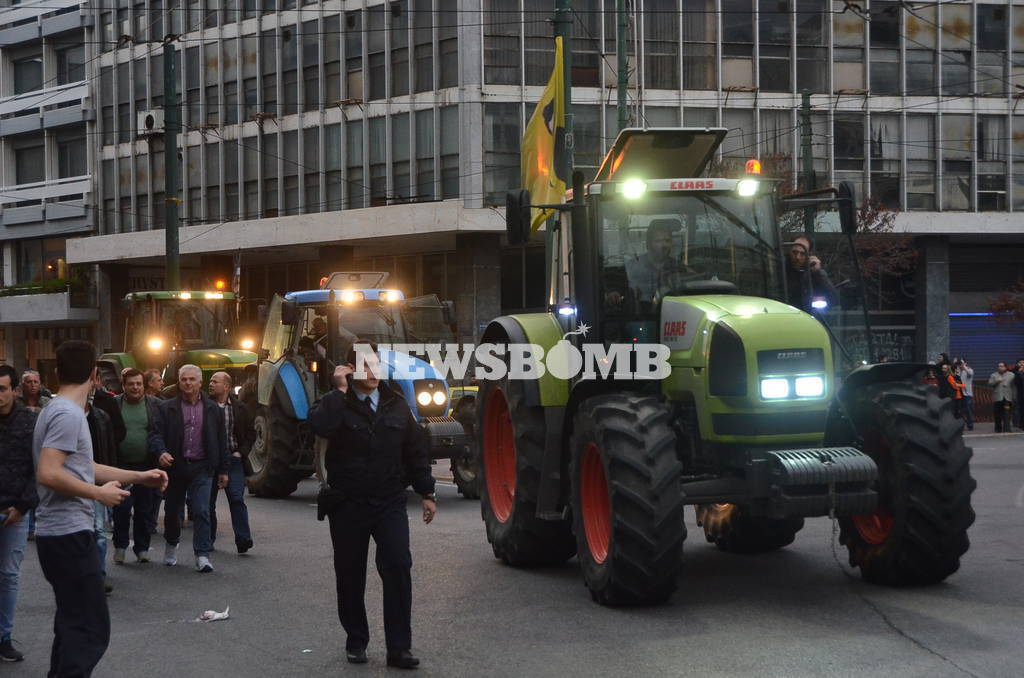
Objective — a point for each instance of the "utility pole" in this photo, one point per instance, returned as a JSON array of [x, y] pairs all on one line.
[[807, 160], [563, 29], [172, 125], [622, 28]]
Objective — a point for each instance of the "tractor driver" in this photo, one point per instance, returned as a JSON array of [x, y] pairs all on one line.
[[648, 271]]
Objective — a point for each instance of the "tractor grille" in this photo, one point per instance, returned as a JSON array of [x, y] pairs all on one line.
[[727, 366]]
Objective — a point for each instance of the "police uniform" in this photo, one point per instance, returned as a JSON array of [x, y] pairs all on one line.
[[375, 449]]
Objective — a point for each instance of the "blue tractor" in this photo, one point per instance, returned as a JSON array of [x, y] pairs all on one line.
[[306, 334]]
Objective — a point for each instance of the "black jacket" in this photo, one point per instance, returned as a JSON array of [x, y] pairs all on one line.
[[17, 470], [101, 430], [105, 401], [167, 434], [372, 455], [245, 432], [803, 285]]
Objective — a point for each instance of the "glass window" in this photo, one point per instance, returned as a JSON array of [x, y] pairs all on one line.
[[399, 48], [540, 56], [885, 160], [450, 152], [991, 156], [661, 45], [737, 43], [353, 54], [311, 162], [921, 162], [502, 132], [355, 187], [212, 151], [957, 154], [921, 72], [956, 72], [289, 70], [72, 157], [270, 156], [268, 68], [425, 154], [400, 156], [700, 29], [230, 181], [849, 141], [70, 64], [447, 47], [775, 69], [311, 62], [501, 44], [423, 46], [42, 259], [589, 149], [741, 142], [991, 73], [737, 21], [291, 171], [1017, 153], [586, 43], [332, 64], [777, 140], [885, 24], [375, 44], [30, 163], [334, 195], [28, 74], [885, 71], [378, 162]]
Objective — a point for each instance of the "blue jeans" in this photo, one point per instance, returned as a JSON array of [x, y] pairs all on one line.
[[99, 518], [12, 550], [236, 502], [967, 409], [194, 482]]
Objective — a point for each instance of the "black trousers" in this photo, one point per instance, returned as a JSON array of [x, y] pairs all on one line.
[[1001, 413], [81, 625], [352, 525]]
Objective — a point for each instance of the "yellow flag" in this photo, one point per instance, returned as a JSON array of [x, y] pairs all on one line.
[[538, 162]]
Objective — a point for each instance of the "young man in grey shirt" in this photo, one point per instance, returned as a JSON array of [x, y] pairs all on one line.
[[66, 476]]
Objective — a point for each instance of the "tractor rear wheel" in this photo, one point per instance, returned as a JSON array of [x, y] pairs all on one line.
[[627, 501], [726, 526], [464, 465], [919, 531], [277, 435], [511, 444]]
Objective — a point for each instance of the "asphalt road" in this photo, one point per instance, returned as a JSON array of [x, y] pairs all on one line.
[[796, 612]]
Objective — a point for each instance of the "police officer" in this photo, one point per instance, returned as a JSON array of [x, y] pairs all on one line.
[[375, 449]]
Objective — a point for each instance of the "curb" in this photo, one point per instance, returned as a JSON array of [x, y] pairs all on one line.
[[993, 435]]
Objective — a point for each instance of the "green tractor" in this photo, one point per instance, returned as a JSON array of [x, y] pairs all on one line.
[[767, 413], [166, 330]]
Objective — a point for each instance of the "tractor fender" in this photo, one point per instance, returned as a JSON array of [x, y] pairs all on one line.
[[543, 330], [838, 426], [405, 369], [291, 393]]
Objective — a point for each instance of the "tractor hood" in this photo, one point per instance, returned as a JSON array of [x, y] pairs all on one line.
[[405, 367], [746, 306], [216, 358]]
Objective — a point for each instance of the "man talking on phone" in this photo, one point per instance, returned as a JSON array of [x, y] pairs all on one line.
[[375, 449], [806, 280]]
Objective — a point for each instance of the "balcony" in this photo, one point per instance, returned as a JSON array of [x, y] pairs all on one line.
[[53, 302], [43, 108], [19, 26], [61, 205]]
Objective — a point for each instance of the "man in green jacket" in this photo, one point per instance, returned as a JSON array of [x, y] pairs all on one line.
[[137, 410]]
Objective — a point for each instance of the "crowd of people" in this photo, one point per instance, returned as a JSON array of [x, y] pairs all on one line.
[[70, 472], [955, 380]]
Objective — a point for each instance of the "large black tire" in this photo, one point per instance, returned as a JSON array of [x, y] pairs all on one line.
[[465, 468], [727, 527], [511, 444], [277, 435], [627, 499], [920, 529]]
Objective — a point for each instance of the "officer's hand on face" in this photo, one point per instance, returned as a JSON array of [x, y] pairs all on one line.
[[341, 373], [429, 510], [814, 263]]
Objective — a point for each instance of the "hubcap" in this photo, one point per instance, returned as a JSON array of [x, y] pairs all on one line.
[[596, 508], [499, 456], [874, 527], [258, 453]]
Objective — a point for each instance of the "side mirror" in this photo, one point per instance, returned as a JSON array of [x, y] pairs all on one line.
[[517, 216], [847, 207], [261, 313], [289, 312], [448, 311]]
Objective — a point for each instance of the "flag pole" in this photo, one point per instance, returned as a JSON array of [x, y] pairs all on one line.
[[563, 29]]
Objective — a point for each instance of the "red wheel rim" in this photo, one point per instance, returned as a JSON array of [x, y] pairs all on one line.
[[594, 504], [874, 527], [499, 456]]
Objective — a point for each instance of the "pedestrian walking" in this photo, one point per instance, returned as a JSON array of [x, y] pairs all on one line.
[[31, 388], [1018, 382], [154, 383], [967, 380], [187, 438], [104, 451], [154, 388], [66, 475], [1001, 382], [239, 434], [138, 410], [17, 497], [375, 450]]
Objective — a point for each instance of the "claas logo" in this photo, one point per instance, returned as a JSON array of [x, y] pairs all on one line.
[[674, 328], [690, 185]]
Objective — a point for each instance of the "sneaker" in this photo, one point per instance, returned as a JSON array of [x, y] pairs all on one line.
[[243, 546], [203, 564], [119, 556], [142, 556], [171, 554], [8, 653]]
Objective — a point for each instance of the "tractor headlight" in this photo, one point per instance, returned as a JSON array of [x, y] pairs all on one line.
[[747, 187], [809, 387], [155, 344], [773, 389], [633, 189], [247, 344], [423, 398], [351, 296], [439, 397]]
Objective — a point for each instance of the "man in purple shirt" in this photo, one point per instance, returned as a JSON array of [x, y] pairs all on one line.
[[188, 438]]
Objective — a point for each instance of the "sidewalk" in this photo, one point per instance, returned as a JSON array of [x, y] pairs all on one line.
[[987, 428]]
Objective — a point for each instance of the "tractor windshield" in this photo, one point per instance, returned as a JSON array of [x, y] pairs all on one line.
[[186, 323], [371, 322], [685, 243]]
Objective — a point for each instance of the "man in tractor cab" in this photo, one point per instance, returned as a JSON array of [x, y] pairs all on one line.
[[806, 280], [647, 272]]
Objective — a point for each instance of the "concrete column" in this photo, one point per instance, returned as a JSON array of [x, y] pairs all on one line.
[[14, 347], [478, 271], [471, 109], [931, 311]]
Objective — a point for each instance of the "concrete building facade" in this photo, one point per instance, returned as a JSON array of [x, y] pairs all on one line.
[[384, 135]]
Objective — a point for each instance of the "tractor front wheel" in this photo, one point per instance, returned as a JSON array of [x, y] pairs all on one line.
[[627, 501], [511, 444], [730, 529], [277, 435], [919, 531]]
